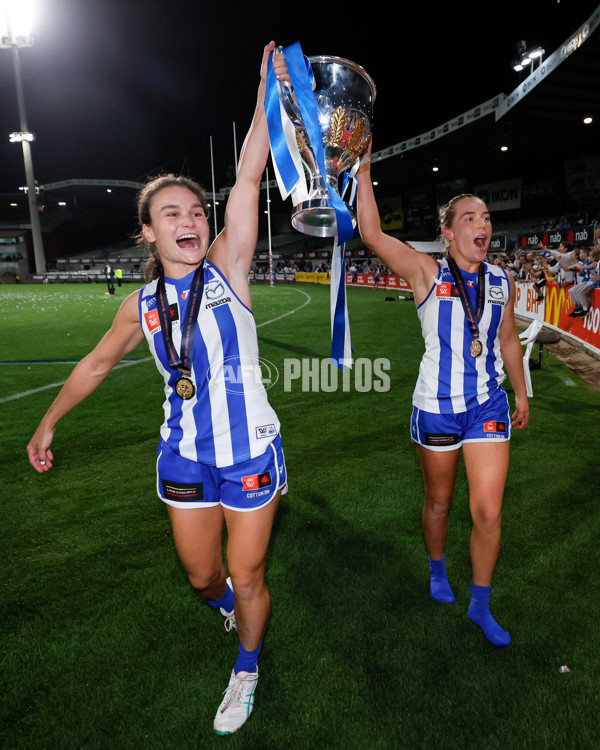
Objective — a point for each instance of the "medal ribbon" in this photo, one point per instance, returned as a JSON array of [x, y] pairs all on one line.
[[473, 316], [181, 361]]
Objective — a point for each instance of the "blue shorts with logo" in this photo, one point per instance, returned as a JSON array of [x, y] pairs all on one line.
[[245, 486], [486, 422]]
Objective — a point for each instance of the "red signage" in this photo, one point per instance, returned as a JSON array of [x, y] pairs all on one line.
[[386, 281], [558, 305]]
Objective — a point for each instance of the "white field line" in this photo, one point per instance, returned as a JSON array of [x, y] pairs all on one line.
[[567, 380], [125, 363], [291, 312]]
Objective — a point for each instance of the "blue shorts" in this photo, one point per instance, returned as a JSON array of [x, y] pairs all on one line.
[[447, 432], [248, 485]]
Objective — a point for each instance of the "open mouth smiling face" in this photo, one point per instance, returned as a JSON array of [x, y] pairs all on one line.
[[188, 241], [481, 242]]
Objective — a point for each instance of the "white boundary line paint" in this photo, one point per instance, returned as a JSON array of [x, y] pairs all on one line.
[[291, 312], [125, 363], [567, 380]]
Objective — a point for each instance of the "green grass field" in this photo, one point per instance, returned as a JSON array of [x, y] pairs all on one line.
[[103, 644]]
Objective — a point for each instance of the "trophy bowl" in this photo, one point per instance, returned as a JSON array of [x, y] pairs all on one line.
[[345, 94]]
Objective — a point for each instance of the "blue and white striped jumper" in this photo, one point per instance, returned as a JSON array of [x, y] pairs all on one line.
[[450, 379], [229, 419]]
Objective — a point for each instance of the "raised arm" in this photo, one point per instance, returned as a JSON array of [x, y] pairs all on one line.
[[234, 248], [417, 268], [565, 264], [124, 335]]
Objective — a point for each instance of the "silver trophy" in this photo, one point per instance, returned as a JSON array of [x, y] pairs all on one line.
[[345, 94]]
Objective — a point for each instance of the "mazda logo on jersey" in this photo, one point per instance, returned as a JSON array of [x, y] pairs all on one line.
[[496, 292], [214, 290], [256, 481]]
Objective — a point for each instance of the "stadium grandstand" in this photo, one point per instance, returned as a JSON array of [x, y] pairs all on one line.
[[292, 250]]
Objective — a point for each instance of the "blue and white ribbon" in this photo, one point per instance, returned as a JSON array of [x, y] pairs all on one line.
[[290, 174], [341, 344]]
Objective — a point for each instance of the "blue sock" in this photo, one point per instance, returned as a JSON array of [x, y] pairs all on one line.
[[479, 613], [227, 601], [247, 661], [438, 583]]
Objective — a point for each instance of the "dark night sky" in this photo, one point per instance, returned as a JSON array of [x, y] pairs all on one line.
[[124, 88]]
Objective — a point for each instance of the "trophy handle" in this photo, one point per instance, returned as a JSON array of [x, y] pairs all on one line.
[[288, 99], [290, 105]]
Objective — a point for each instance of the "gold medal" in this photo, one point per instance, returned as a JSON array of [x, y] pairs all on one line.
[[184, 388], [476, 347]]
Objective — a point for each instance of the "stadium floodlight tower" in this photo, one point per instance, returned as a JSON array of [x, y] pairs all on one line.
[[15, 32], [527, 57]]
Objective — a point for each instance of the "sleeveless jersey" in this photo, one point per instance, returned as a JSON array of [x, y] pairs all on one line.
[[229, 419], [450, 379]]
